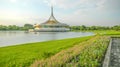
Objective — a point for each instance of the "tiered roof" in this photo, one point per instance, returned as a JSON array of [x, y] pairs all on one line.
[[52, 20]]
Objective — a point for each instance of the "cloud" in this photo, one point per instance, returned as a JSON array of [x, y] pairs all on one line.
[[111, 5], [73, 12], [50, 2], [68, 4], [94, 12]]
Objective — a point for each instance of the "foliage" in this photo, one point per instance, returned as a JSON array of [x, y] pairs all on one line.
[[86, 28], [117, 27], [25, 54], [14, 27], [86, 54], [73, 28], [28, 26], [93, 55]]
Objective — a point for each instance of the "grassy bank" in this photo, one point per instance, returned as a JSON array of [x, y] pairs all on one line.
[[86, 54], [25, 54]]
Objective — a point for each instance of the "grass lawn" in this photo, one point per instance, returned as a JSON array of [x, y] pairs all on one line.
[[25, 54], [86, 54], [107, 32], [103, 32]]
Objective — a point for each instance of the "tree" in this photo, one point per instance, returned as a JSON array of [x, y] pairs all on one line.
[[117, 27], [28, 26]]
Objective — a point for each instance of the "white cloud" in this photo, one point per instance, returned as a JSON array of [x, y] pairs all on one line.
[[68, 4], [111, 5], [50, 2], [83, 12]]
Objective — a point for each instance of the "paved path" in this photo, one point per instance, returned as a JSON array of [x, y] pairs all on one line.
[[115, 53], [112, 58]]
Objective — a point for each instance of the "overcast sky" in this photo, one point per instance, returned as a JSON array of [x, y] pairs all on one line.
[[72, 12]]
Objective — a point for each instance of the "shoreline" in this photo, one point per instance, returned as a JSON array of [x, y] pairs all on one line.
[[43, 41]]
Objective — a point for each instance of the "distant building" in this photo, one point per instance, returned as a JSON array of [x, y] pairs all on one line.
[[51, 25]]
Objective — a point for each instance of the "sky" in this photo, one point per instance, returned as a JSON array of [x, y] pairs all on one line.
[[72, 12]]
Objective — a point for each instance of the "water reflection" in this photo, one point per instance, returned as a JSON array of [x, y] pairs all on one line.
[[8, 38]]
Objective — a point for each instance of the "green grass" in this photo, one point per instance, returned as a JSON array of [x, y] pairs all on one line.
[[107, 32], [86, 54], [103, 32], [25, 54]]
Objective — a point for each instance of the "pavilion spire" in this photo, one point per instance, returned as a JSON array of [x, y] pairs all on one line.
[[52, 10], [52, 18]]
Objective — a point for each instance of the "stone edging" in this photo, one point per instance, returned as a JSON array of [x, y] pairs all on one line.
[[107, 56]]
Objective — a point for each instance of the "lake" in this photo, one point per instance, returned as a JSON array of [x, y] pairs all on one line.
[[8, 38]]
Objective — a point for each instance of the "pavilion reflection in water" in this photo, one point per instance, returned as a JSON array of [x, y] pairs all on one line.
[[51, 25]]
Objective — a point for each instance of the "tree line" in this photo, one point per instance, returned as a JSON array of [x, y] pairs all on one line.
[[73, 28], [84, 28], [15, 27]]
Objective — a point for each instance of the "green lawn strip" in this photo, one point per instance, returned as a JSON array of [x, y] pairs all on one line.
[[111, 33], [25, 54], [107, 32], [103, 32]]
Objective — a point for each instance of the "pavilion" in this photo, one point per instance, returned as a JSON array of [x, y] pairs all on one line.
[[51, 25]]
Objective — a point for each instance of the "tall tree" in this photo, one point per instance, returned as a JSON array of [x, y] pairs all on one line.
[[28, 26]]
